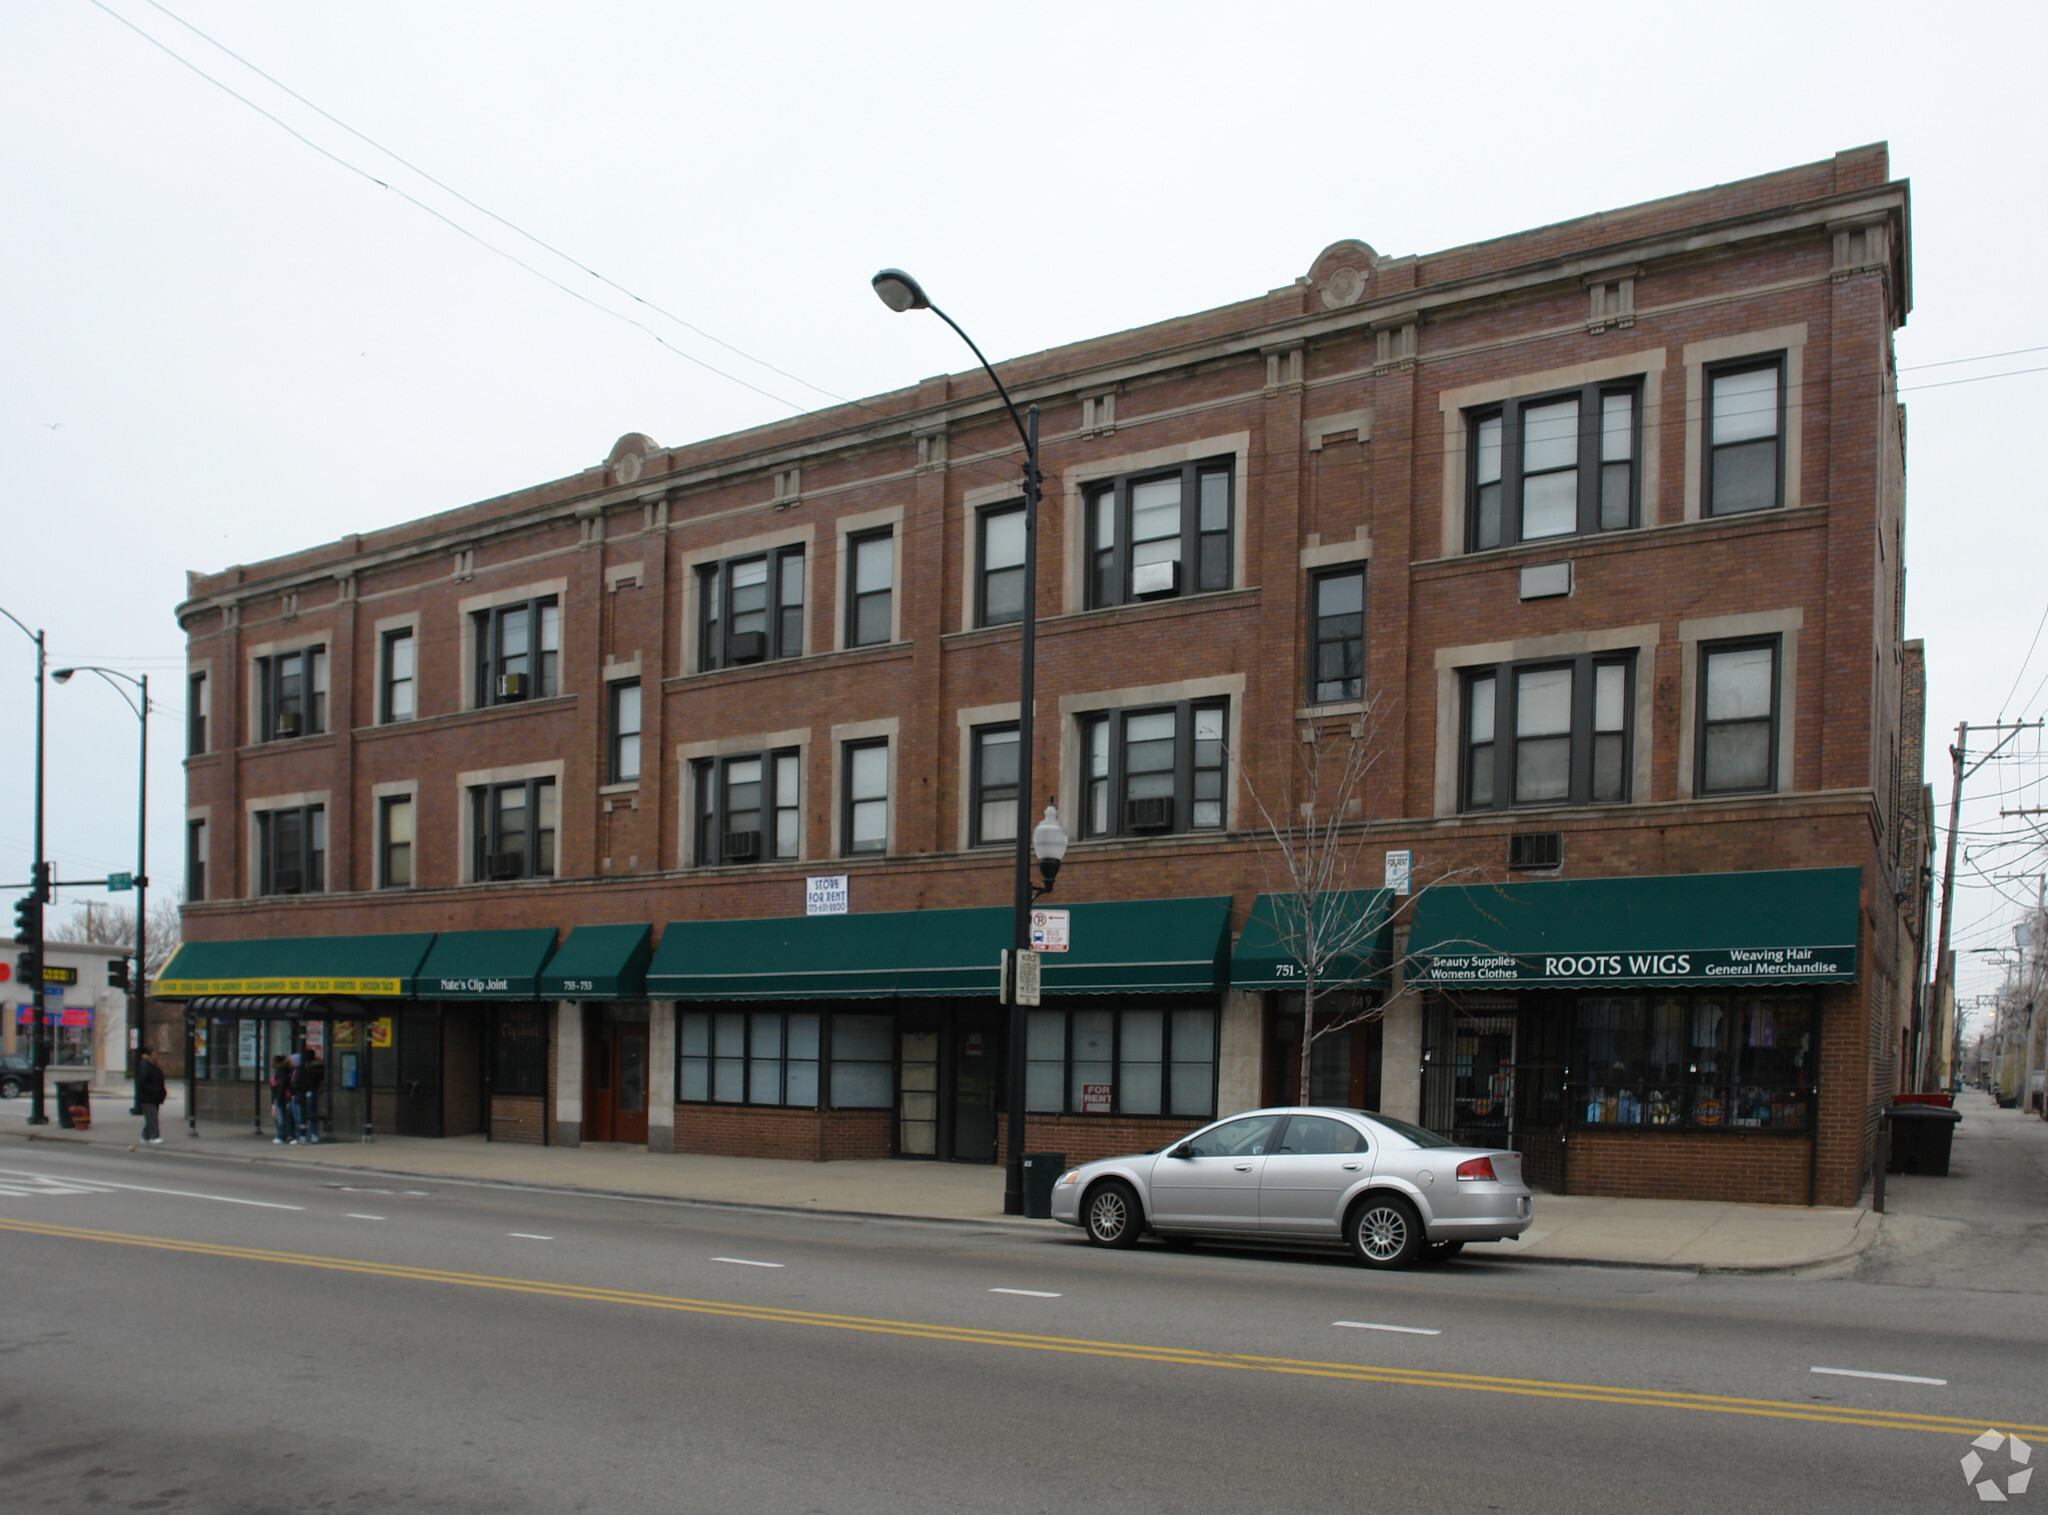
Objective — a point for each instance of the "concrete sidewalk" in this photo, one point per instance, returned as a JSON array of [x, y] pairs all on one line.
[[1681, 1234]]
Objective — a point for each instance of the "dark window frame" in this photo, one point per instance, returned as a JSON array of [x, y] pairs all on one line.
[[980, 791], [1591, 464], [856, 597], [386, 847], [1717, 1090], [1317, 640], [1775, 645], [847, 803], [307, 701], [1777, 363], [616, 733], [1583, 734], [708, 807], [487, 832], [1108, 567], [543, 670], [983, 573], [750, 1059], [197, 850], [1167, 1061], [387, 680], [784, 634], [274, 865], [196, 708], [1185, 769]]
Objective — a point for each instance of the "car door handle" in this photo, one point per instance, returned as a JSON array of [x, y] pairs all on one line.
[[1352, 1167], [1244, 1167]]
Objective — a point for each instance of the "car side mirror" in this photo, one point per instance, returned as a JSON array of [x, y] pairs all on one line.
[[1183, 1150]]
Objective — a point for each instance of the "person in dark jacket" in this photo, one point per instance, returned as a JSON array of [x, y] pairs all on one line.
[[283, 1109], [306, 1085], [149, 1094]]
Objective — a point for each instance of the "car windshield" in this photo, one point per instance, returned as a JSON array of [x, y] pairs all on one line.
[[1415, 1134]]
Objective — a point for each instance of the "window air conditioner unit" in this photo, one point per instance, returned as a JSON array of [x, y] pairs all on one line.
[[1149, 579], [288, 723], [747, 646], [741, 846], [511, 686], [503, 865], [1530, 851], [1154, 812], [288, 881]]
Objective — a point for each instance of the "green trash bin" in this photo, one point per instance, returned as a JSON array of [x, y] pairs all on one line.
[[1041, 1171]]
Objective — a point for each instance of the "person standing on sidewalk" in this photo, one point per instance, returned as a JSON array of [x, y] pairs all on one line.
[[149, 1094], [282, 1109], [306, 1085]]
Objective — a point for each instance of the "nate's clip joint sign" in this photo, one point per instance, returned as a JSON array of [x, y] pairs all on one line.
[[475, 985]]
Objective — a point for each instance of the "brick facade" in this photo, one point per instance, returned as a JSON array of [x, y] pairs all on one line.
[[1342, 401]]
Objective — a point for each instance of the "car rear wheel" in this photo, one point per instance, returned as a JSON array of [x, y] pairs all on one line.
[[1385, 1232], [1111, 1218], [9, 1088]]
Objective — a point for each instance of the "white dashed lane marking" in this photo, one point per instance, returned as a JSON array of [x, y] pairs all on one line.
[[353, 1216], [1027, 1293], [529, 1236], [1367, 1325], [11, 1181], [1887, 1377], [748, 1262]]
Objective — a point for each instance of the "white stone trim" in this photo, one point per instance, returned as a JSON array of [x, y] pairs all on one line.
[[1321, 554], [466, 611], [856, 525], [1074, 706], [965, 719], [624, 576], [690, 753], [863, 731], [743, 547], [465, 820], [1783, 624], [1790, 340]]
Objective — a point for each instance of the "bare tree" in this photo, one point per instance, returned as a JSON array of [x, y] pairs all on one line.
[[1313, 855], [114, 926]]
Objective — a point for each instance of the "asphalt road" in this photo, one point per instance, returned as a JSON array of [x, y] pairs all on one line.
[[192, 1334]]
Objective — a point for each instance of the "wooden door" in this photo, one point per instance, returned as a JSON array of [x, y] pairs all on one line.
[[629, 1083]]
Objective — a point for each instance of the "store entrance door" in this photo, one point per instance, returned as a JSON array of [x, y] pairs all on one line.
[[1483, 1087], [615, 1082], [975, 1075], [419, 1073]]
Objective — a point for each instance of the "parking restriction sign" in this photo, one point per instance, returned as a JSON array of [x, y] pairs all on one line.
[[1049, 931]]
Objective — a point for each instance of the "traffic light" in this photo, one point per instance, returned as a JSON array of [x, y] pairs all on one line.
[[40, 889], [28, 967], [117, 973], [28, 920]]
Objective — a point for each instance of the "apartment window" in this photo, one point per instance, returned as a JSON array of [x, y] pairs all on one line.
[[871, 579], [1560, 465], [994, 817], [394, 841], [514, 829], [999, 548], [752, 609], [1738, 735], [1705, 1062], [1548, 733], [518, 652], [291, 850], [1121, 1062], [195, 861], [292, 694], [624, 761], [1152, 771], [757, 1057], [866, 786], [195, 715], [1156, 535], [1745, 422], [519, 1050], [747, 808], [395, 673], [1337, 635]]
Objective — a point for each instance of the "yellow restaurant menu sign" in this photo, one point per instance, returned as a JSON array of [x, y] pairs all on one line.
[[387, 987]]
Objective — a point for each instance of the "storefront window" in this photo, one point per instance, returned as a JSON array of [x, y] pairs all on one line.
[[1122, 1062], [1703, 1062], [520, 1051], [863, 1062], [767, 1057]]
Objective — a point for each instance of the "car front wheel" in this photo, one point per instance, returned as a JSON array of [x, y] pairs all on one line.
[[1385, 1232], [9, 1088], [1111, 1218]]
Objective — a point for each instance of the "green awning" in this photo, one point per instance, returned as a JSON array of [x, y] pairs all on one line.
[[381, 966], [600, 962], [486, 964], [1791, 926], [1118, 947], [1350, 939]]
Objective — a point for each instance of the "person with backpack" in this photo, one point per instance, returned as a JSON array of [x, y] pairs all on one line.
[[306, 1086]]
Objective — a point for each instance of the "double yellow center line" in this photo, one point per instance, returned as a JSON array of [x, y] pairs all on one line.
[[1182, 1357]]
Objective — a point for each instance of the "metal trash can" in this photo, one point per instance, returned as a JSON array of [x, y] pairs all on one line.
[[74, 1105], [1921, 1136], [1041, 1171]]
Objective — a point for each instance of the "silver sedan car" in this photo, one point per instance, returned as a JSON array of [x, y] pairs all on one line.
[[1391, 1191]]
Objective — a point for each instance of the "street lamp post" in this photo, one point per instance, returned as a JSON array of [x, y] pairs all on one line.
[[39, 887], [138, 986], [900, 292]]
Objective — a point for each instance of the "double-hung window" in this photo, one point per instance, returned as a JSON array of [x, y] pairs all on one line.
[[514, 829], [870, 588], [518, 652], [291, 850], [1556, 466], [747, 808], [394, 841], [993, 814], [1745, 424], [1153, 770], [195, 861], [623, 760], [1336, 634], [195, 715], [999, 549], [292, 694], [1738, 731], [395, 672], [1121, 1062], [866, 822], [1549, 733], [751, 609], [1157, 535]]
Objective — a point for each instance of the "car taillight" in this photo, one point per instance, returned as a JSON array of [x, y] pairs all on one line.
[[1480, 1168]]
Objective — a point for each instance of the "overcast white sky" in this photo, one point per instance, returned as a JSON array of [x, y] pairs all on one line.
[[221, 344]]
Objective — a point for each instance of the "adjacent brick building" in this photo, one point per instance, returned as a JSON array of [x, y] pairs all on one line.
[[1594, 529]]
